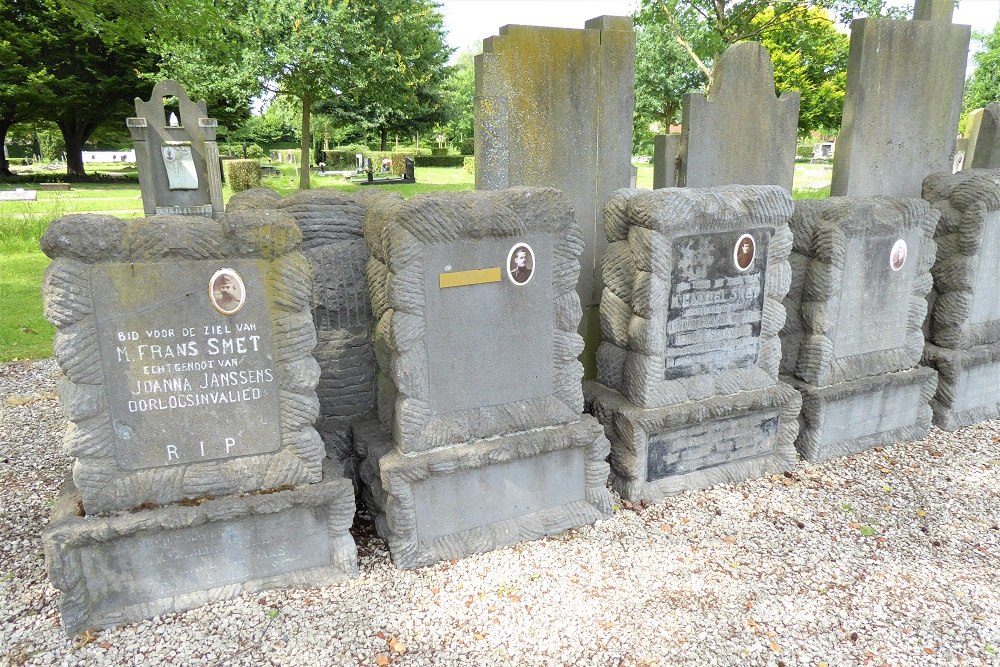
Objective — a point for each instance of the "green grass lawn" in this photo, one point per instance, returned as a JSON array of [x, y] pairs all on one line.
[[24, 332]]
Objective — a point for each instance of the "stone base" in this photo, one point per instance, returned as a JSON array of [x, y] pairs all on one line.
[[658, 452], [968, 389], [850, 417], [485, 494], [125, 568]]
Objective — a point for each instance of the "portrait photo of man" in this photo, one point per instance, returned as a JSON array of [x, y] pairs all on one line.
[[520, 263], [744, 252], [226, 291], [897, 258]]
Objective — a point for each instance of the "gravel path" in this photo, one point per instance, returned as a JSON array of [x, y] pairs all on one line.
[[890, 557]]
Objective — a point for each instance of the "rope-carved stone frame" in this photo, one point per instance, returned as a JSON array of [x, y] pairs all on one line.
[[821, 230], [397, 236], [79, 243], [966, 200], [640, 226]]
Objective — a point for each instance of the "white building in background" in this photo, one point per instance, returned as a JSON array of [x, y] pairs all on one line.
[[110, 156]]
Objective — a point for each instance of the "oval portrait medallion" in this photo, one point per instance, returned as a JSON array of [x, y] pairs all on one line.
[[520, 264], [897, 257], [226, 291], [743, 252]]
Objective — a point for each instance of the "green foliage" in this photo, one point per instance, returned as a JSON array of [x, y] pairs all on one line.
[[983, 86], [470, 165], [805, 151], [270, 128], [24, 331], [52, 145], [441, 161], [459, 93], [242, 174], [254, 151]]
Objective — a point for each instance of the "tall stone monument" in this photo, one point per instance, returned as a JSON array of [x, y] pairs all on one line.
[[332, 226], [687, 383], [903, 101], [480, 441], [964, 325], [176, 154], [855, 309], [554, 108], [982, 134], [190, 390], [741, 132]]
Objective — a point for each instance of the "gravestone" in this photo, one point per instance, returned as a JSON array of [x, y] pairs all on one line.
[[983, 136], [741, 132], [333, 242], [189, 386], [19, 194], [480, 441], [177, 157], [964, 325], [903, 101], [853, 332], [665, 167], [553, 108], [687, 382]]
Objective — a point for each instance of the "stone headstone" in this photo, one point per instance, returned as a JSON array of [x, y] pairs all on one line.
[[741, 132], [554, 108], [853, 332], [189, 384], [665, 167], [964, 324], [19, 194], [687, 383], [903, 101], [480, 441], [983, 136], [177, 158]]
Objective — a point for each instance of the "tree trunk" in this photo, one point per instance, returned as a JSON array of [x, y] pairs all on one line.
[[5, 124], [304, 157], [385, 138], [75, 133]]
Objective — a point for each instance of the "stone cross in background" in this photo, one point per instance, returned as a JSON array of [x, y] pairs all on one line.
[[554, 108], [903, 100], [178, 158], [741, 133]]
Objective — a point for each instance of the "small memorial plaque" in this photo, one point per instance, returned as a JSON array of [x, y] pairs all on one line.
[[187, 355], [716, 302]]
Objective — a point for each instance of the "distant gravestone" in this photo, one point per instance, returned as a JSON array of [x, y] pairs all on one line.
[[964, 324], [853, 332], [185, 345], [665, 167], [480, 441], [903, 101], [19, 194], [554, 108], [983, 136], [687, 383], [741, 132], [178, 158]]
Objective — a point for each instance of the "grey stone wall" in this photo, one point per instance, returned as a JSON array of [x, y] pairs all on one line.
[[652, 292], [139, 344]]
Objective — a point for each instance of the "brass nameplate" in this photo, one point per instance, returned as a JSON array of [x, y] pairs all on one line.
[[474, 277]]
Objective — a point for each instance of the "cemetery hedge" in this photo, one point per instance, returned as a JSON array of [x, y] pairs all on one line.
[[242, 174], [440, 161]]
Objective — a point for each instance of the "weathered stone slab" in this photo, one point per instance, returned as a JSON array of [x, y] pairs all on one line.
[[554, 108], [860, 278], [130, 567], [983, 133], [177, 156], [473, 345], [662, 451], [968, 389], [903, 101], [694, 283], [485, 494], [186, 349], [665, 168], [966, 297], [19, 194], [856, 415], [741, 132]]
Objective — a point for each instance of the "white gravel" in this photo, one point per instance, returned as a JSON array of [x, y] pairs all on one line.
[[891, 557]]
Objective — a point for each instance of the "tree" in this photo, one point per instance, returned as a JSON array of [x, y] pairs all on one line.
[[459, 98], [663, 74], [983, 87]]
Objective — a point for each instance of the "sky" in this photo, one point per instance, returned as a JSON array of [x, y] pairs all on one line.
[[470, 21]]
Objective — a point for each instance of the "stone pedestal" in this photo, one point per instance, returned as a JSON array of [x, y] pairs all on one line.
[[968, 389], [117, 569], [850, 417], [657, 452], [484, 494]]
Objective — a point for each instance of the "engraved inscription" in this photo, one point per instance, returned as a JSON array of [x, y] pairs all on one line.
[[185, 382], [716, 305], [711, 444], [169, 563]]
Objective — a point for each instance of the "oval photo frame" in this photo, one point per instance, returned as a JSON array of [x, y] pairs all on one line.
[[521, 268], [226, 291], [744, 252], [897, 256]]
